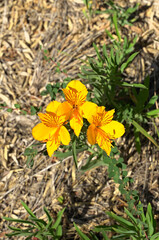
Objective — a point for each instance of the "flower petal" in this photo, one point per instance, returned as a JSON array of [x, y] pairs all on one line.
[[47, 119], [41, 132], [107, 117], [75, 93], [114, 128], [64, 135], [91, 134], [76, 84], [76, 122], [52, 146], [89, 109], [52, 106], [64, 109], [103, 141]]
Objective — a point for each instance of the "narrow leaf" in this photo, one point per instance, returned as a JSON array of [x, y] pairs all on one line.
[[142, 130], [152, 101], [48, 214], [153, 113], [116, 26], [58, 220], [136, 85], [19, 221], [130, 59], [121, 220], [81, 234]]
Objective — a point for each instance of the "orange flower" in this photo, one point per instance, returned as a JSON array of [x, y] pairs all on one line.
[[75, 105], [102, 128], [51, 129]]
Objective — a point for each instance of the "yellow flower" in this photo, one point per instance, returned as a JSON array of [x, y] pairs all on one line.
[[75, 105], [51, 129], [103, 129]]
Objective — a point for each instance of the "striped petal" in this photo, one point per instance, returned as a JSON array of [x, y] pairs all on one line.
[[103, 141], [107, 117], [76, 122]]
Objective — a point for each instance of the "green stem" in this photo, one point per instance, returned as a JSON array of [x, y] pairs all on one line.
[[74, 153]]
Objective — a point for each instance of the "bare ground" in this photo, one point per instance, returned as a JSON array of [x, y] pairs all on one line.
[[26, 28]]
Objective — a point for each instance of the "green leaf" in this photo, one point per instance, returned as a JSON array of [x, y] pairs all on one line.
[[143, 95], [59, 231], [48, 226], [58, 220], [119, 229], [30, 213], [60, 199], [21, 234], [142, 130], [62, 155], [121, 220], [109, 34], [131, 216], [130, 59], [142, 215], [29, 151], [17, 105], [9, 110], [37, 220], [104, 235], [105, 53], [93, 236], [33, 110], [105, 228], [43, 93], [55, 90], [21, 230], [47, 214], [45, 51], [23, 112], [135, 85], [151, 102], [92, 164], [74, 153], [116, 26], [97, 52], [153, 113], [150, 220], [19, 221], [155, 236], [80, 233]]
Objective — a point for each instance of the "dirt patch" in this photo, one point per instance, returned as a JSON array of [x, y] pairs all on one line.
[[26, 29]]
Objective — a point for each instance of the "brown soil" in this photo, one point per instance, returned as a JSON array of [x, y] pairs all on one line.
[[61, 28]]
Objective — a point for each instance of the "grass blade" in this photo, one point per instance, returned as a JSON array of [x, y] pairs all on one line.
[[143, 131]]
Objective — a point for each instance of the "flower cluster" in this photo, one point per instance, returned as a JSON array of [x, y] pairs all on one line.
[[102, 129]]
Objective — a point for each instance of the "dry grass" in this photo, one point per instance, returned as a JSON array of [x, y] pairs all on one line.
[[61, 27]]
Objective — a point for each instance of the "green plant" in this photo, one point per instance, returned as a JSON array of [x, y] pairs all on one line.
[[130, 227], [106, 76], [138, 227], [36, 227], [105, 72], [32, 111], [124, 15]]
